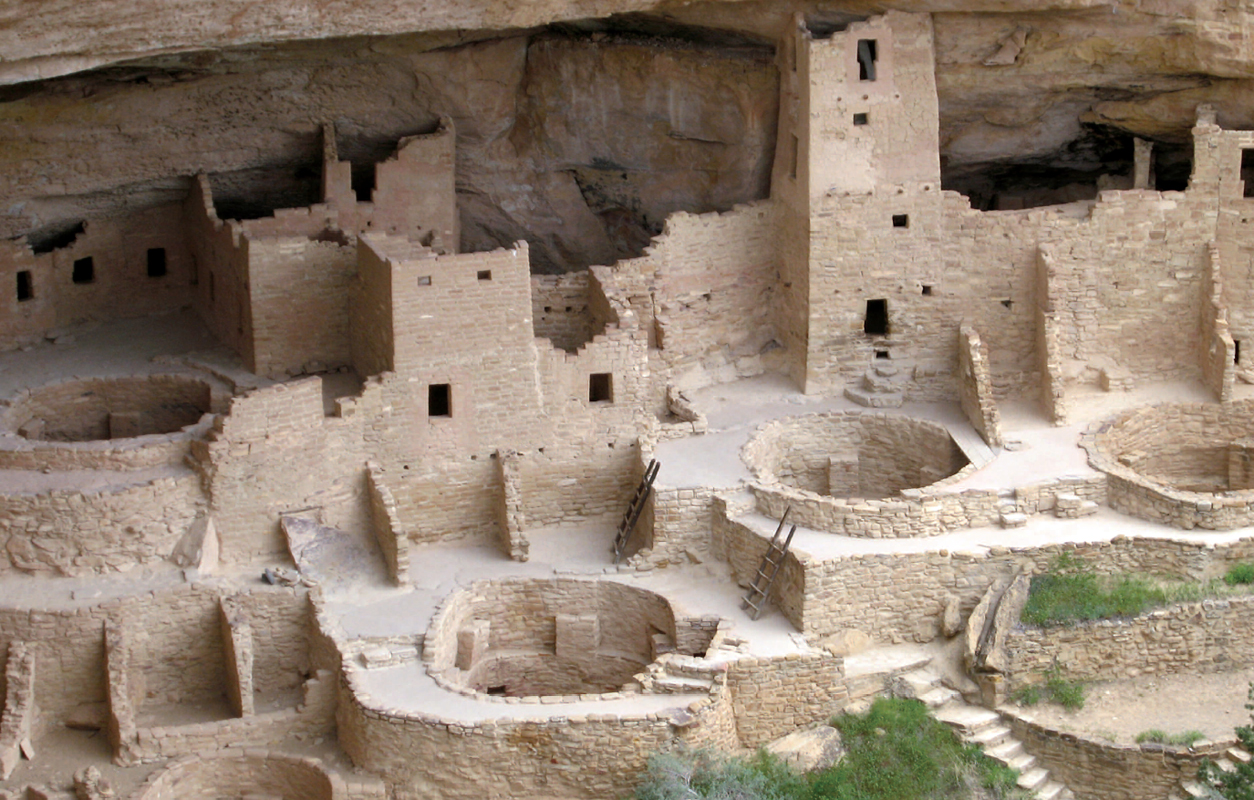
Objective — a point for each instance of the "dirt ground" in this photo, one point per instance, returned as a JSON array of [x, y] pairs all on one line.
[[1118, 710]]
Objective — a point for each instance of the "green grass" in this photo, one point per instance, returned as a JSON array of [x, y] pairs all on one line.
[[1055, 689], [1070, 592], [895, 751], [1068, 694], [1240, 574], [1162, 737]]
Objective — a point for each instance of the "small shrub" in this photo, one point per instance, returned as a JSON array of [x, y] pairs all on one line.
[[1242, 573], [1028, 695], [1068, 694]]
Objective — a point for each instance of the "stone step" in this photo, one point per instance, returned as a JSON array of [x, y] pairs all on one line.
[[1006, 751], [986, 737], [939, 696], [967, 719], [871, 400], [1195, 789], [1015, 519], [1052, 790], [1033, 779], [918, 683], [1237, 754], [879, 385], [885, 368]]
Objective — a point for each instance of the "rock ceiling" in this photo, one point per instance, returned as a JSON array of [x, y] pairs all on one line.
[[581, 125]]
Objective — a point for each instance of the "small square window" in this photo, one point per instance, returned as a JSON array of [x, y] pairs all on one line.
[[901, 220], [484, 275], [882, 354], [424, 280], [601, 387], [156, 262], [439, 400], [25, 287], [84, 270], [860, 119], [927, 290]]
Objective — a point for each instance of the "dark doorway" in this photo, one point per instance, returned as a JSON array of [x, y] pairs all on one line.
[[876, 322], [439, 400]]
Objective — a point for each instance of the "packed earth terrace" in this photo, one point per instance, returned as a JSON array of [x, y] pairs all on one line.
[[327, 460]]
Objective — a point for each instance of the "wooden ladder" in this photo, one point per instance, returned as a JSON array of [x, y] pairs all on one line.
[[772, 559], [628, 525]]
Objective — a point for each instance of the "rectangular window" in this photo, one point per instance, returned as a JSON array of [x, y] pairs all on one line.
[[484, 275], [901, 220], [601, 387], [156, 262], [84, 270], [866, 59], [439, 400], [876, 321], [860, 119], [424, 280], [25, 287], [1247, 172]]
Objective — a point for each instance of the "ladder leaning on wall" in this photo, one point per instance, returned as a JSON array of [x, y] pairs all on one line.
[[772, 560], [628, 525]]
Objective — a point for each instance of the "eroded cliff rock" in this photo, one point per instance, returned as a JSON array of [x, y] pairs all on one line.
[[583, 135]]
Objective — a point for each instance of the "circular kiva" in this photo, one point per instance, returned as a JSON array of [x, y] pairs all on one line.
[[528, 637], [94, 409], [1189, 465], [853, 454]]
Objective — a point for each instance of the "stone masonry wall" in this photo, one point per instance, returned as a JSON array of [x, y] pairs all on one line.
[[298, 289], [1211, 636], [80, 533], [975, 387], [120, 286], [1095, 769]]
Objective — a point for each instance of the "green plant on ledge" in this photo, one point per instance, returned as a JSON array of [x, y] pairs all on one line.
[[1056, 689], [1156, 736], [1070, 591]]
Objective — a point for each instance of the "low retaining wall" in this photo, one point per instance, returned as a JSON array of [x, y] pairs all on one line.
[[1094, 769], [79, 533], [1210, 636]]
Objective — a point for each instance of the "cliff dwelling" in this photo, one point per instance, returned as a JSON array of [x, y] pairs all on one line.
[[475, 401]]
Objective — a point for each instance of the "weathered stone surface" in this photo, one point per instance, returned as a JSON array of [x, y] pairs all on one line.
[[806, 750]]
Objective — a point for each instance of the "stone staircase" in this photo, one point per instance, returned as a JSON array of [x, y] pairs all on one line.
[[674, 673], [881, 386], [980, 726], [1194, 790]]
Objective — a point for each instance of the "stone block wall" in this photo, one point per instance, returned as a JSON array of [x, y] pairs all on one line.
[[713, 279], [975, 387], [389, 532], [560, 309], [220, 268], [120, 285], [269, 454], [1095, 769], [298, 290], [17, 724], [110, 530], [772, 697], [79, 409], [237, 772], [1210, 636]]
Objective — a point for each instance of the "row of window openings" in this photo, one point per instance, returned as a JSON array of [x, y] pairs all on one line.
[[867, 56], [483, 275], [440, 395], [84, 271]]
